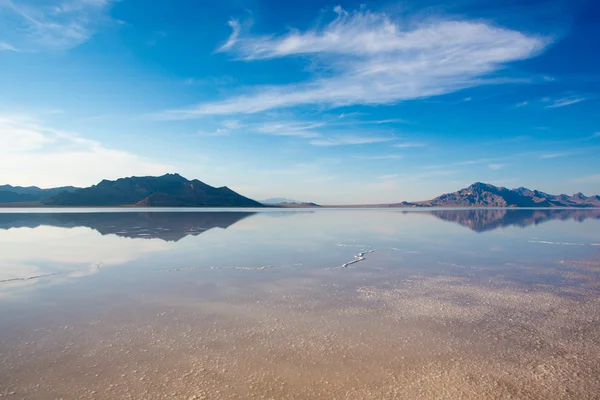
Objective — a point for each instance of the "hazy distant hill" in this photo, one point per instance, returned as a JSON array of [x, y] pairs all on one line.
[[20, 194], [170, 190], [486, 195], [279, 200], [287, 203]]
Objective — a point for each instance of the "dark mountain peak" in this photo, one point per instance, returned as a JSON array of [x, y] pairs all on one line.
[[175, 177], [481, 185], [169, 190], [484, 187], [579, 196]]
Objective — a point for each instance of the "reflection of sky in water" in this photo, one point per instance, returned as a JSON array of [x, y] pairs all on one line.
[[73, 245], [450, 304]]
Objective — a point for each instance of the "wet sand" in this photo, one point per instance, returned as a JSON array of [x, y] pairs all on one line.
[[366, 332]]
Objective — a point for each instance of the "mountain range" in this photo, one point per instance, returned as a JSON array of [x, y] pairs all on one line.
[[173, 190], [170, 190], [20, 194], [486, 195], [280, 200], [175, 226]]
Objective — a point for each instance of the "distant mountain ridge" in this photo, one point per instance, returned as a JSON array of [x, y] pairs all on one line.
[[173, 190], [170, 190], [287, 203], [279, 200], [485, 195], [20, 194]]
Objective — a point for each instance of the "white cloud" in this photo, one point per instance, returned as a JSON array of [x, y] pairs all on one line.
[[388, 177], [386, 121], [564, 101], [290, 128], [381, 157], [391, 181], [588, 179], [235, 33], [554, 155], [522, 104], [348, 140], [232, 124], [407, 145], [37, 26], [7, 47], [33, 154], [496, 167], [492, 164], [216, 132], [373, 59]]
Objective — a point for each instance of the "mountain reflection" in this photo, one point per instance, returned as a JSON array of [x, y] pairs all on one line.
[[483, 220], [173, 226], [167, 226]]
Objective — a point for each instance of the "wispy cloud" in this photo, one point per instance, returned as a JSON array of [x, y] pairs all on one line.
[[290, 128], [496, 167], [215, 133], [225, 128], [492, 164], [34, 26], [550, 102], [349, 140], [156, 38], [213, 81], [393, 179], [380, 157], [235, 33], [552, 153], [232, 124], [388, 177], [7, 47], [407, 145], [588, 179], [46, 156], [313, 168], [565, 101], [555, 155], [374, 59], [389, 121]]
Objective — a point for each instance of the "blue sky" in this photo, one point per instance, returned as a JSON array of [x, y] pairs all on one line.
[[341, 102]]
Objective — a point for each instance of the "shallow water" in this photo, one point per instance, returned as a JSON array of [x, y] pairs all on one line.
[[335, 304]]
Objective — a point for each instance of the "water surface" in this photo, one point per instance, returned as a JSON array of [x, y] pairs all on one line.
[[288, 304]]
